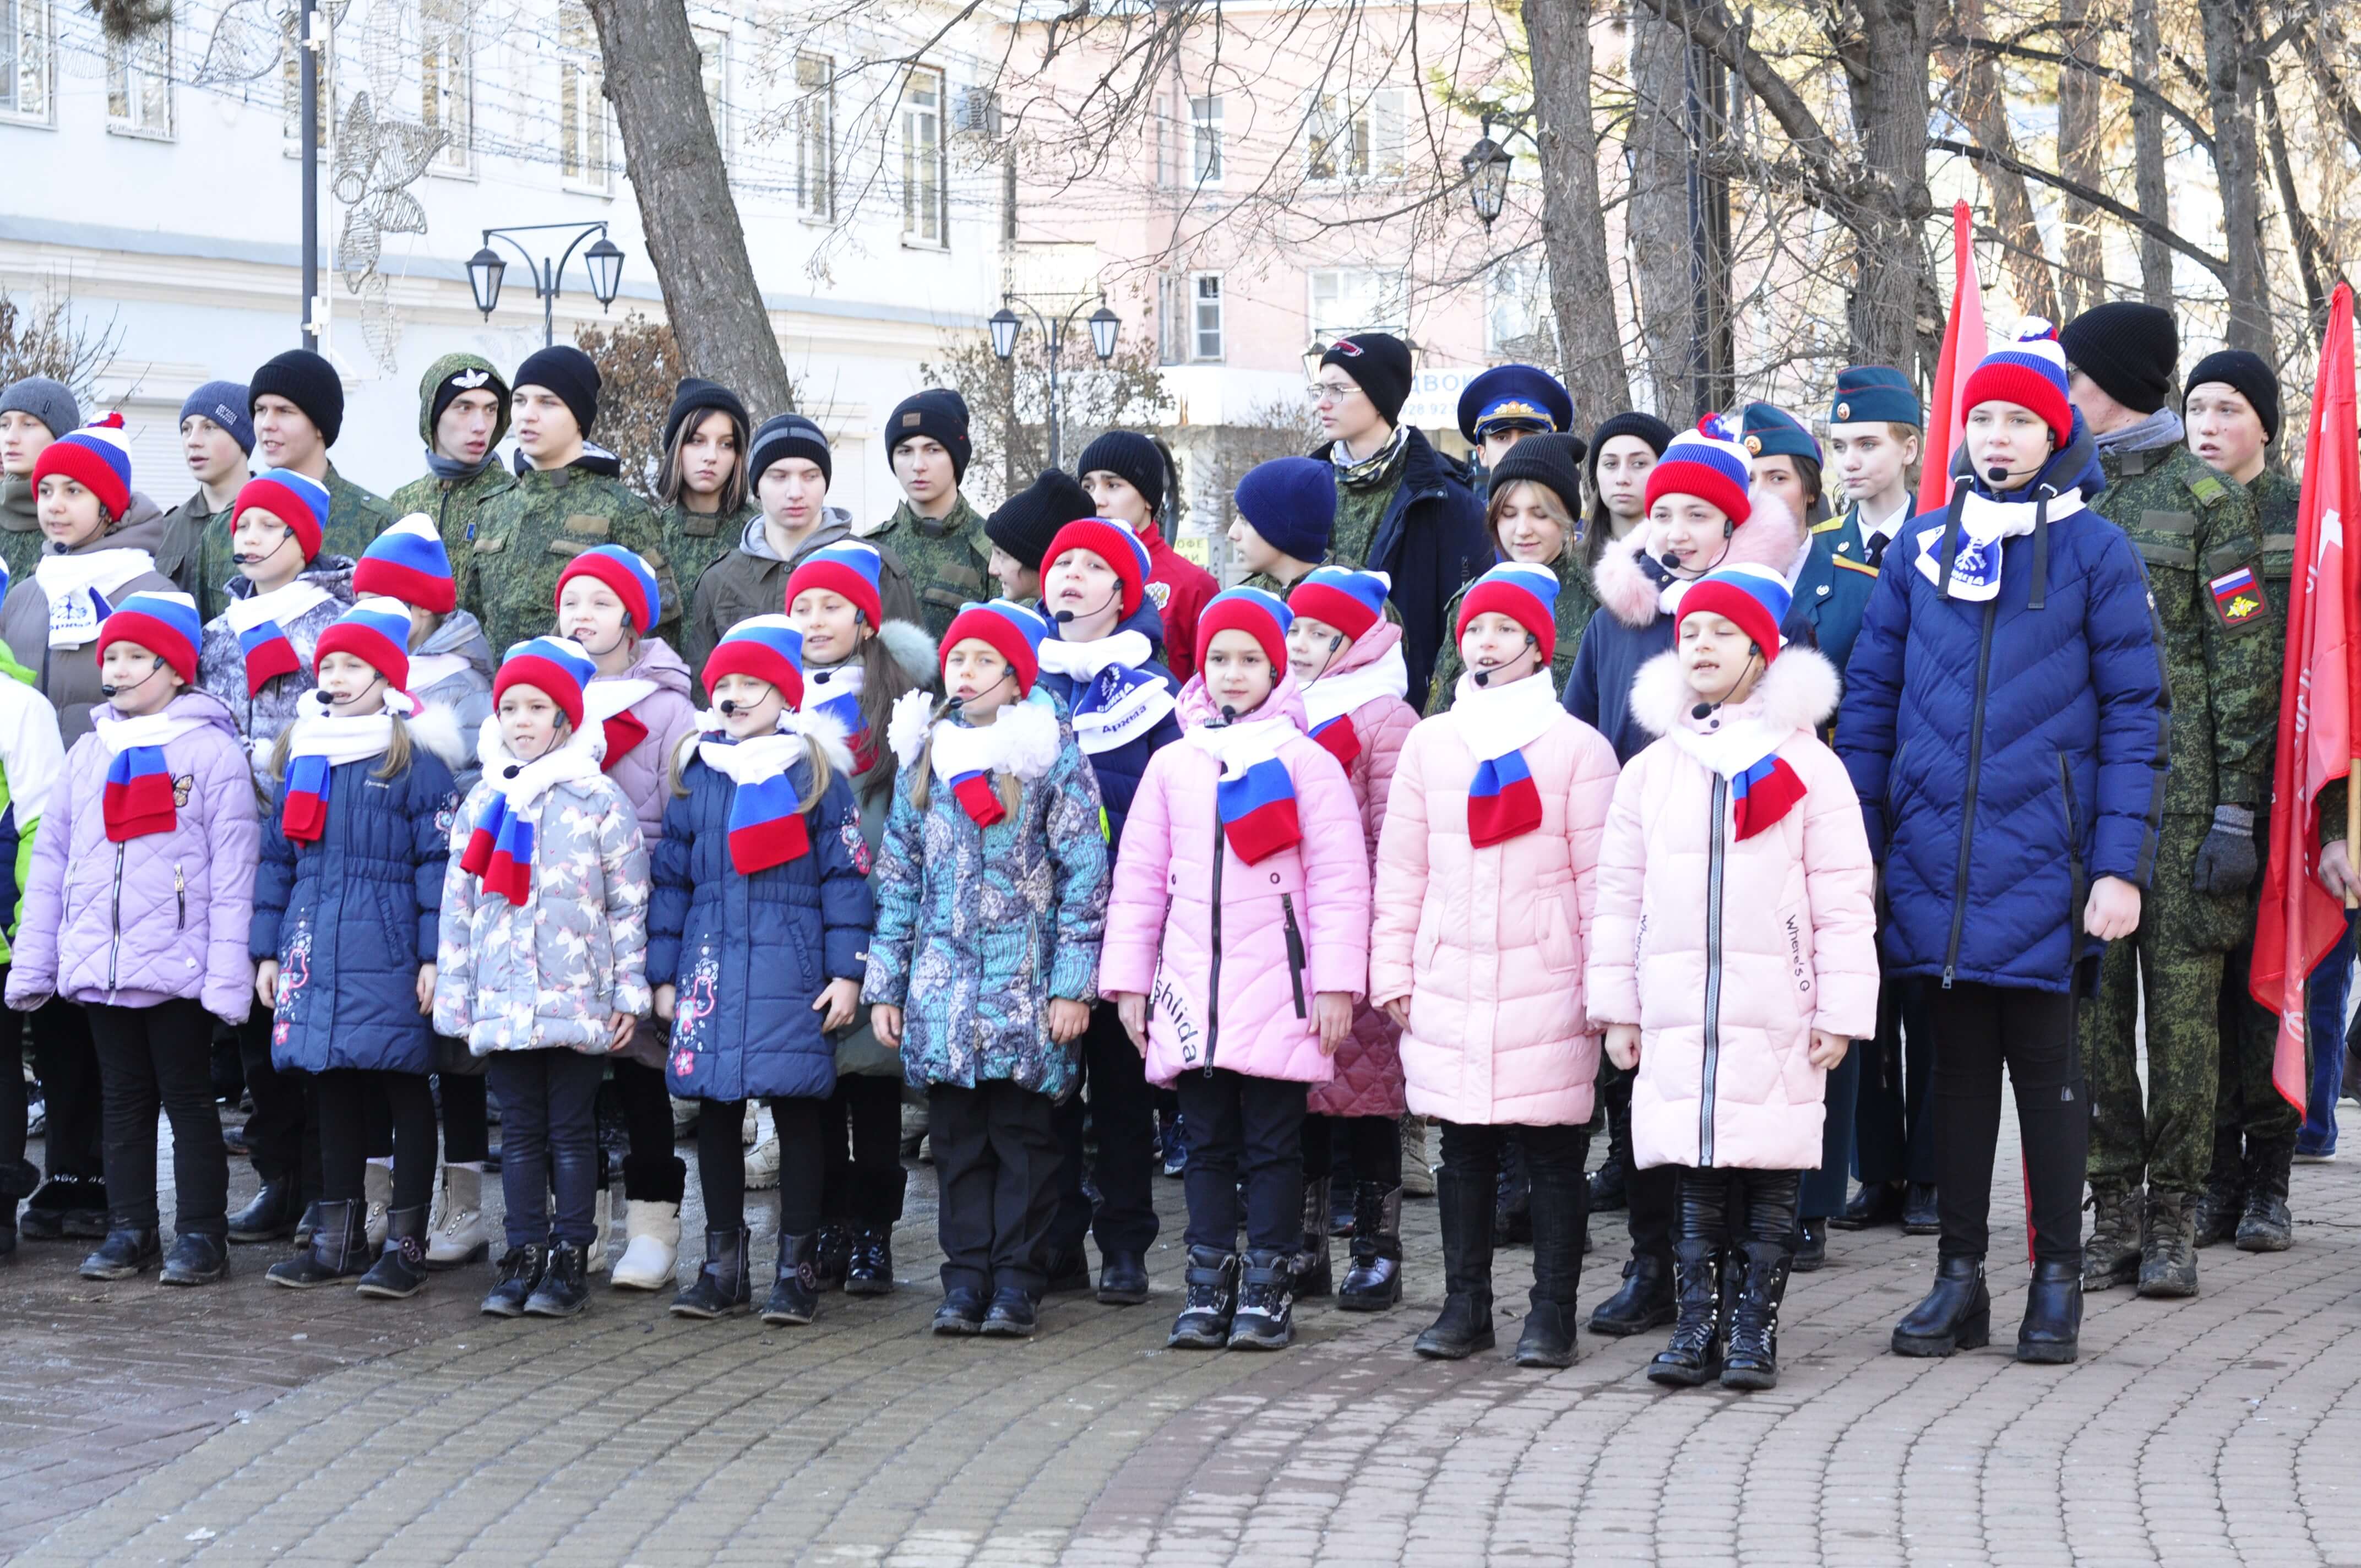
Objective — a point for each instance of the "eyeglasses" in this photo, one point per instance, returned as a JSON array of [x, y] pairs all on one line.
[[1330, 391]]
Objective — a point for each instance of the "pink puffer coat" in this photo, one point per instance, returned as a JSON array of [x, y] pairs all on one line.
[[1727, 983], [1222, 988], [1488, 943], [670, 713], [1368, 1081]]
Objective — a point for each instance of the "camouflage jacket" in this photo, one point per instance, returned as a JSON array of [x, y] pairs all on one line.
[[2219, 626], [526, 534], [947, 561], [452, 503], [210, 567], [694, 541], [355, 516], [1577, 602]]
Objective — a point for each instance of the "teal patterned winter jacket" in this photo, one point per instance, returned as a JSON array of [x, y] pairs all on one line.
[[979, 928]]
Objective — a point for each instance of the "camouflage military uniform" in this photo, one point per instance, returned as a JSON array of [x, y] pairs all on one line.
[[452, 503], [20, 527], [524, 537], [1577, 603], [212, 568], [694, 540], [947, 560], [355, 516], [2220, 637]]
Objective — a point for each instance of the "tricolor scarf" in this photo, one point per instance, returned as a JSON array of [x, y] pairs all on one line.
[[1744, 750], [139, 798], [1984, 525], [499, 848], [1115, 701], [1022, 742], [836, 692], [1330, 702], [609, 703], [261, 620], [1498, 723], [317, 745], [963, 757], [765, 829], [81, 588], [1256, 795]]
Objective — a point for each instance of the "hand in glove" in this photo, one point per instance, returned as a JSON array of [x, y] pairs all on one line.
[[2227, 861]]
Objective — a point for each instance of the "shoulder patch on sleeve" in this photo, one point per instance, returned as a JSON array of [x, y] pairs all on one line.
[[1863, 567], [2209, 488]]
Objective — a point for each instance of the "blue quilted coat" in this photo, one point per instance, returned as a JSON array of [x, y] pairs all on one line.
[[749, 955], [2006, 754]]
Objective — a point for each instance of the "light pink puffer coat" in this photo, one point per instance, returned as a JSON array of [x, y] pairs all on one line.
[[1488, 943], [1232, 1003], [1794, 921], [670, 714], [1368, 1081]]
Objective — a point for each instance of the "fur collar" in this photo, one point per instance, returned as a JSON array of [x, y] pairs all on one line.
[[913, 650], [1769, 537], [436, 728], [1025, 739], [1799, 693]]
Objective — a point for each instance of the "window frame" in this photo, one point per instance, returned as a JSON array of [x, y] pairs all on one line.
[[1373, 150], [937, 167], [1196, 302], [452, 82], [816, 102], [45, 13], [582, 104], [1397, 322], [138, 72], [1206, 114]]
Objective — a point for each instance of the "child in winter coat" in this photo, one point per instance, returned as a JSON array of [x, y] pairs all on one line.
[[31, 761], [994, 869], [1734, 956], [542, 962], [757, 940], [1347, 662], [1487, 868], [1236, 947], [857, 665], [142, 885], [353, 857], [607, 601]]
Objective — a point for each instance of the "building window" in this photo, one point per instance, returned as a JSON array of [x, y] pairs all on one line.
[[581, 100], [1346, 299], [923, 218], [1205, 315], [25, 58], [713, 67], [139, 83], [1189, 319], [816, 135], [1205, 140], [1356, 138], [446, 79]]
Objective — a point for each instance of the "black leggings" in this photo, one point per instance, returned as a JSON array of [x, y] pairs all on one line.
[[1374, 1144], [345, 1105], [466, 1118], [864, 1187], [651, 1172], [722, 1162], [161, 1057], [1977, 1028], [66, 1062], [1726, 1206]]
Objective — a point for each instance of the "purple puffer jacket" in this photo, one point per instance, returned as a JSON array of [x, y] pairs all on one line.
[[156, 917]]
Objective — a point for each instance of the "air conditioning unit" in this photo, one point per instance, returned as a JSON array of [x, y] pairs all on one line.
[[977, 113]]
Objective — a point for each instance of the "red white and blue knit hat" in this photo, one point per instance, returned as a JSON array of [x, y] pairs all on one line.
[[296, 499], [1263, 615], [556, 666], [848, 568], [165, 624], [1710, 463], [97, 457], [1350, 601], [623, 571], [1009, 629], [1112, 541], [765, 647], [376, 632], [2030, 372], [407, 562], [1524, 591], [1753, 598]]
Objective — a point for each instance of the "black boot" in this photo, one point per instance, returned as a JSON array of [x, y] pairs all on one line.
[[2168, 1258], [721, 1288], [1313, 1272], [1645, 1302], [2223, 1197], [1874, 1204], [2111, 1253], [1610, 1183], [338, 1254], [65, 1206], [1211, 1282], [795, 1291], [126, 1251], [307, 1224], [1465, 1324], [1811, 1246], [869, 1271], [271, 1215], [2266, 1225], [1560, 1199], [1374, 1282], [198, 1257], [520, 1269], [1693, 1356], [2052, 1328], [1265, 1319], [399, 1271], [832, 1265], [1757, 1282], [1123, 1278], [1512, 1218], [1955, 1315], [1920, 1215], [565, 1288]]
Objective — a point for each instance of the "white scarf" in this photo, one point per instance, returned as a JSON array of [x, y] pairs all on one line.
[[1083, 661], [119, 734], [1984, 523], [1493, 721], [1115, 701], [576, 762], [81, 589], [605, 697], [1743, 737], [751, 760], [282, 605], [341, 738], [1332, 696], [828, 683], [1022, 741], [1242, 744]]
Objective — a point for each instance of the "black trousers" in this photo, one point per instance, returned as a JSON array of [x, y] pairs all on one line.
[[549, 1142], [151, 1058], [1893, 1136], [653, 1173], [1728, 1205], [996, 1165], [1977, 1029], [74, 1103], [864, 1179], [277, 1130], [1122, 1112], [466, 1118], [1250, 1130], [722, 1162], [1372, 1147], [15, 1108], [1554, 1158], [1654, 1196], [348, 1099]]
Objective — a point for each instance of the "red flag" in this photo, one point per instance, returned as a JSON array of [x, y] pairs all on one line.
[[1964, 346], [2300, 921]]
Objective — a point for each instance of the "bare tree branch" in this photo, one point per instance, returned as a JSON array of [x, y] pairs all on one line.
[[2081, 192]]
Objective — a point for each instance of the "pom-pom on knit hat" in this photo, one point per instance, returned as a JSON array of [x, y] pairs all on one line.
[[97, 457]]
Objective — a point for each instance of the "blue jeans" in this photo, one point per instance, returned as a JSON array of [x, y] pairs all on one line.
[[2331, 984], [549, 1142]]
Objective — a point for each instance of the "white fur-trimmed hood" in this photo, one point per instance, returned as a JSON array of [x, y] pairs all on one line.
[[1799, 692], [912, 649], [436, 728], [1771, 536]]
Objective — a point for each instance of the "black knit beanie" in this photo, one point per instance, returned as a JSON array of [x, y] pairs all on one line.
[[308, 381], [2250, 375], [1027, 521], [567, 371], [2128, 348], [1131, 458], [694, 396], [1631, 421], [1544, 459], [938, 412], [1378, 363], [783, 436]]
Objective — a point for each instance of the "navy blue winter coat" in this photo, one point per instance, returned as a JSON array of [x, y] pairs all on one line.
[[352, 918], [1434, 541], [1120, 769], [2006, 756], [749, 955]]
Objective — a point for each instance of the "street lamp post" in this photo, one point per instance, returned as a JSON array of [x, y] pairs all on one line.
[[1487, 165], [1006, 326], [603, 262]]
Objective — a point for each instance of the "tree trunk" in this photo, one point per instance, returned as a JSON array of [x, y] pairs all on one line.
[[2230, 89], [2084, 280], [2154, 195], [1574, 226], [1657, 217], [1891, 107], [1984, 107], [2312, 262], [686, 208]]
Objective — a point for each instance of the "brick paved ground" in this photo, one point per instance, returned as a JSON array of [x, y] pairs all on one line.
[[240, 1424]]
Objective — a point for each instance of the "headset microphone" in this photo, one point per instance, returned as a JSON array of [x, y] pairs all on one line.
[[1670, 560], [729, 706], [1707, 709], [1997, 474], [1483, 677], [112, 691], [284, 540]]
